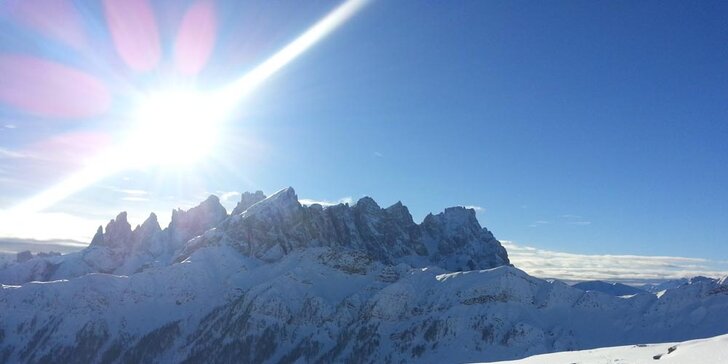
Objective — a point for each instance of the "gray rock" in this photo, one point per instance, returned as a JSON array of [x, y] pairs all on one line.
[[269, 229]]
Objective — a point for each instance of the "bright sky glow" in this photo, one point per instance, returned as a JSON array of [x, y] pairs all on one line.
[[593, 128], [134, 31], [48, 89], [254, 78], [102, 166], [174, 126]]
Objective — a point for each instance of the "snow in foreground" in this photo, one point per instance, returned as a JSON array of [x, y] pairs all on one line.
[[711, 350]]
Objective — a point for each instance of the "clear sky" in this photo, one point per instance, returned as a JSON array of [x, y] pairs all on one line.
[[578, 126]]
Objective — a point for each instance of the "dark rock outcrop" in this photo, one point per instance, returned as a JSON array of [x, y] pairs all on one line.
[[269, 229]]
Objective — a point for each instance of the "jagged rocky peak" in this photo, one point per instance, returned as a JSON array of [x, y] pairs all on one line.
[[98, 238], [286, 197], [279, 224], [151, 222], [248, 199], [397, 212], [367, 204], [108, 248], [400, 212], [148, 228], [23, 256], [698, 279], [120, 225], [118, 233], [283, 203], [456, 217], [195, 221]]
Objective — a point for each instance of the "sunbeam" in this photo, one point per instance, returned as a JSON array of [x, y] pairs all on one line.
[[160, 113], [318, 31]]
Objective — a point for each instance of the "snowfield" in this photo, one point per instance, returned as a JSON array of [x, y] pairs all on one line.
[[279, 282], [703, 351]]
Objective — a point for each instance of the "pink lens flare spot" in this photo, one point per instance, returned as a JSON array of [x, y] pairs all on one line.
[[134, 32], [196, 38], [55, 19], [45, 88], [70, 149], [52, 158]]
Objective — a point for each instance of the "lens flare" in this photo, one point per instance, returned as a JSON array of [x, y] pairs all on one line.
[[50, 89], [175, 127], [56, 19], [133, 29], [195, 38], [175, 114]]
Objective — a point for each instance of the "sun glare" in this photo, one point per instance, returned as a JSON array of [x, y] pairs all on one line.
[[175, 127]]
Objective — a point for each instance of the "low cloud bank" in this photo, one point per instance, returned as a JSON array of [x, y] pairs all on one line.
[[309, 201], [569, 267], [628, 269], [14, 245]]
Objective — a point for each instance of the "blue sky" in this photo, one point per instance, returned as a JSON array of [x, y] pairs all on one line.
[[586, 127]]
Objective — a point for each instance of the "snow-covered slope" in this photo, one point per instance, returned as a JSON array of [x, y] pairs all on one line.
[[674, 283], [712, 350], [282, 282], [614, 289], [5, 259]]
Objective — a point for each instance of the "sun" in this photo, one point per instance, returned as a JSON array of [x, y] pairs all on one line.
[[179, 127], [175, 127]]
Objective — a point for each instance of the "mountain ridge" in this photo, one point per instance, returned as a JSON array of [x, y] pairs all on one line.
[[452, 239], [280, 282]]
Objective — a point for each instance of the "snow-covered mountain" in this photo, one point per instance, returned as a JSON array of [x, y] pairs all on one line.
[[5, 259], [277, 281], [711, 350], [120, 250], [674, 283], [614, 289]]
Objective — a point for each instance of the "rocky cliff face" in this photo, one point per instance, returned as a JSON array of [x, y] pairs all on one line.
[[280, 282], [119, 249], [248, 199], [116, 249], [195, 221], [270, 229]]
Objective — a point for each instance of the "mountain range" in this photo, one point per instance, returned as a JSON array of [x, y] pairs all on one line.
[[277, 281]]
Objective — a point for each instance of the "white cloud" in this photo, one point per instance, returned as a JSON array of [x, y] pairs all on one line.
[[378, 155], [309, 201], [14, 245], [539, 223], [10, 126], [579, 222], [47, 226], [11, 154], [134, 192], [129, 191], [131, 195], [229, 196], [476, 208], [615, 268], [571, 217], [575, 220], [135, 199]]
